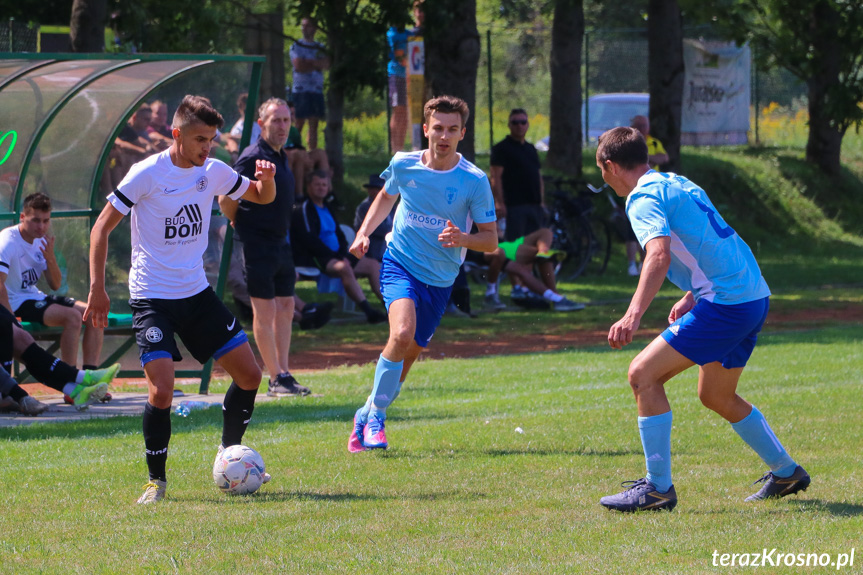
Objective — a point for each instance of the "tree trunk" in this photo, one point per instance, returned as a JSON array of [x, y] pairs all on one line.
[[87, 26], [824, 145], [264, 35], [452, 48], [567, 37], [334, 132], [665, 76]]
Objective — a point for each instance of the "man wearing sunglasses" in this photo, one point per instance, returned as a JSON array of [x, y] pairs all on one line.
[[516, 181]]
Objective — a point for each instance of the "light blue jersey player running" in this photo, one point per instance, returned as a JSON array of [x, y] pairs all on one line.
[[441, 195], [715, 325]]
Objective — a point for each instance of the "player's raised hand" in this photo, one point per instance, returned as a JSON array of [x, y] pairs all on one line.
[[360, 246], [264, 170], [451, 236]]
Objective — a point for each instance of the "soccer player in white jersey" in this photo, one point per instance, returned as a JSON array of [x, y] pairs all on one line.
[[170, 196], [715, 325], [441, 195]]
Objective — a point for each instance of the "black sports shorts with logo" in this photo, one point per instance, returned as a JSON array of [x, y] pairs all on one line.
[[202, 321], [33, 310]]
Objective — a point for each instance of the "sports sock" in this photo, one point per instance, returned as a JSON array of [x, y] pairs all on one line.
[[7, 383], [552, 296], [655, 432], [236, 413], [491, 288], [90, 367], [47, 368], [366, 307], [387, 385], [157, 434], [17, 393], [756, 432]]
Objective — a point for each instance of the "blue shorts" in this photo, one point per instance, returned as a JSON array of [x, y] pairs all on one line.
[[430, 301], [309, 105], [715, 332]]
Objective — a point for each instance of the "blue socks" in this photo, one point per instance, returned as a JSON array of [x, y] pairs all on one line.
[[387, 386], [755, 431], [655, 432]]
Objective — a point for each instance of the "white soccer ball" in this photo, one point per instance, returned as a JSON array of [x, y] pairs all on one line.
[[239, 470]]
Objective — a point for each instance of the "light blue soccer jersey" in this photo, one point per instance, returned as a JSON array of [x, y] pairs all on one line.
[[428, 199], [708, 258]]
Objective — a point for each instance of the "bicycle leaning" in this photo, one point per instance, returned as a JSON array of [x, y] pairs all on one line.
[[578, 230]]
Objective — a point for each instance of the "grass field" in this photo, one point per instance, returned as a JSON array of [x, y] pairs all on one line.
[[460, 490]]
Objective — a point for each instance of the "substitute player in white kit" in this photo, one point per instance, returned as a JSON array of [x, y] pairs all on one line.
[[170, 197]]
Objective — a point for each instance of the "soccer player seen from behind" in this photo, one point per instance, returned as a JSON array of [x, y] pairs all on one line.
[[714, 325], [441, 195], [170, 196]]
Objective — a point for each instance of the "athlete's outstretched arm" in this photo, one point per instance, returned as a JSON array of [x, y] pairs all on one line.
[[262, 191], [381, 206], [485, 240], [653, 273], [98, 302]]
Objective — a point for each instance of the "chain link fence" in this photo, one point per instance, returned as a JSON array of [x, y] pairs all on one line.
[[515, 73], [18, 37]]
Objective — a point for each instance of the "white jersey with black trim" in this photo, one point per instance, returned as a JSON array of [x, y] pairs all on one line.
[[23, 264], [171, 210]]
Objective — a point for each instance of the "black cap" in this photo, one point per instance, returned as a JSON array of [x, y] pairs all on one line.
[[375, 181]]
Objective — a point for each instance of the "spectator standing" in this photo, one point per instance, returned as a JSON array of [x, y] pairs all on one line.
[[309, 60], [26, 252], [303, 162], [269, 264], [516, 180], [397, 41]]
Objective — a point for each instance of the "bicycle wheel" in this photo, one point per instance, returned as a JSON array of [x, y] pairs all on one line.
[[574, 239], [599, 248]]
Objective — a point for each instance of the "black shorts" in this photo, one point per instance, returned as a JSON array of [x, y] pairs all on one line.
[[523, 220], [33, 310], [202, 321], [269, 269]]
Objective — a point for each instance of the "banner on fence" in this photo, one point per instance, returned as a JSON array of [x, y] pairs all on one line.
[[716, 94]]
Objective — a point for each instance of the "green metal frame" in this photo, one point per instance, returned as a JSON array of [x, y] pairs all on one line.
[[124, 61]]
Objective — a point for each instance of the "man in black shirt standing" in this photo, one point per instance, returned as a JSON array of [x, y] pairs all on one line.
[[516, 181], [269, 262]]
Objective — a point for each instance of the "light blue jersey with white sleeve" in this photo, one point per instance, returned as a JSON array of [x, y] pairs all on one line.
[[428, 199], [708, 258]]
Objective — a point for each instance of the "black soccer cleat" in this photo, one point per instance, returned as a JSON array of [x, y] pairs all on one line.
[[640, 495], [781, 486]]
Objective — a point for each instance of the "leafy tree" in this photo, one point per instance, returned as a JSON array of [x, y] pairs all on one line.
[[452, 48], [567, 38], [356, 43], [665, 75], [87, 26], [820, 42]]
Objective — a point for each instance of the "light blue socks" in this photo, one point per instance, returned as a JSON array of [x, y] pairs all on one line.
[[755, 431], [655, 432], [387, 386]]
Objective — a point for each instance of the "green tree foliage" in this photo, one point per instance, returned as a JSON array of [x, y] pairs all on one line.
[[821, 42]]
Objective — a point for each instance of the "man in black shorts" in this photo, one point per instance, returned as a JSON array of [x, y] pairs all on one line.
[[26, 252], [269, 263], [170, 197]]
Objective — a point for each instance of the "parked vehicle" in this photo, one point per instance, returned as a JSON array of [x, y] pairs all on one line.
[[606, 111]]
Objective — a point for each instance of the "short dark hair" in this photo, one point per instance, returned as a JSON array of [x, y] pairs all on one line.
[[197, 110], [38, 202], [517, 111], [262, 109], [446, 105], [623, 146], [322, 174]]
